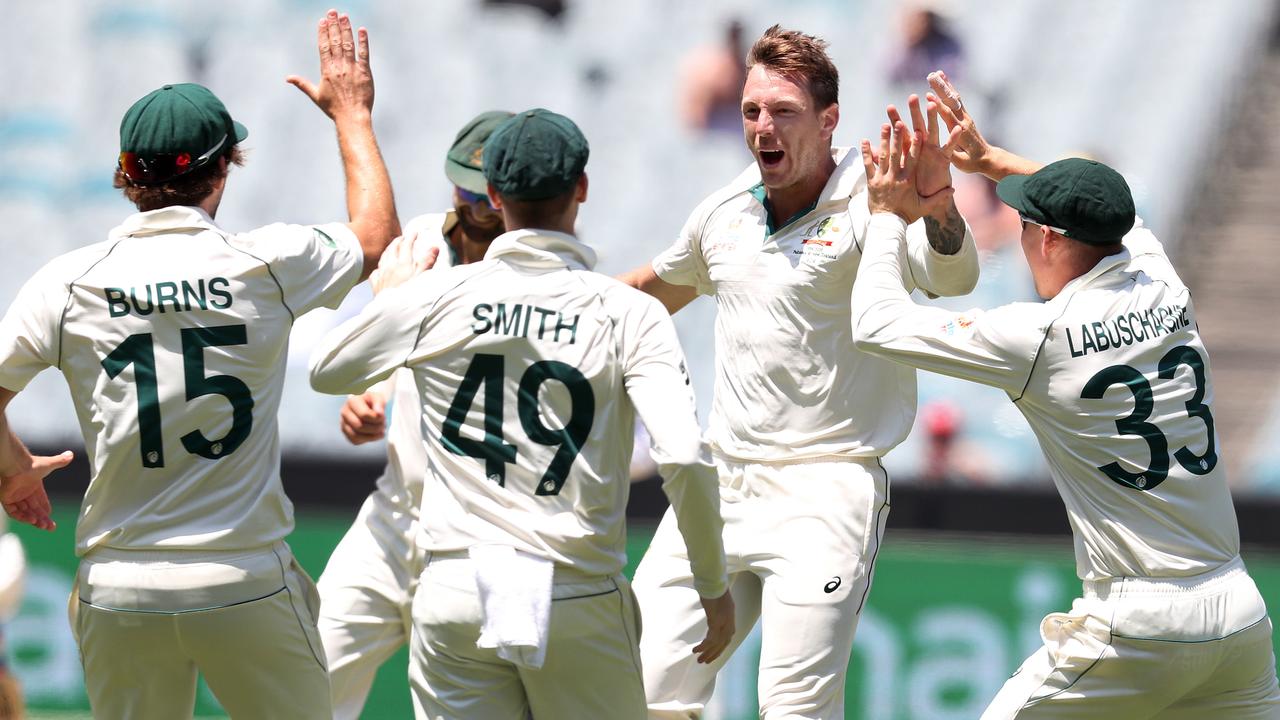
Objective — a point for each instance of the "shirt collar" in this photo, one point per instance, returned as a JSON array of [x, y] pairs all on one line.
[[1105, 265], [846, 180], [545, 248], [170, 219]]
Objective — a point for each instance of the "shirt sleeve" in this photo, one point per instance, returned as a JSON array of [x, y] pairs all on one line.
[[937, 274], [1149, 256], [370, 346], [29, 331], [683, 262], [659, 387], [995, 347], [315, 265]]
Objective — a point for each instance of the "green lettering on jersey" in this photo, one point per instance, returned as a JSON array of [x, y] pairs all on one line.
[[116, 303]]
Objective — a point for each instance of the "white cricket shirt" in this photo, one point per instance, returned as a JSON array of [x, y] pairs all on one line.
[[531, 370], [172, 336], [1114, 381], [406, 457], [789, 382]]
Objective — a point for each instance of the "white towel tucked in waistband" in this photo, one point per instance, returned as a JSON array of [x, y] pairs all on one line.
[[515, 602]]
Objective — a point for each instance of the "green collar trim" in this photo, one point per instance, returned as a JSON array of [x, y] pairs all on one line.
[[770, 223]]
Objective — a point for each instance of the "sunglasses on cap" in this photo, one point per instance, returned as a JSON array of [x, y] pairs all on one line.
[[471, 198], [162, 167], [1026, 220]]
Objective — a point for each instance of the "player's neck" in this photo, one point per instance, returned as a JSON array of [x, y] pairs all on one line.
[[212, 201], [1071, 266], [785, 202], [468, 248]]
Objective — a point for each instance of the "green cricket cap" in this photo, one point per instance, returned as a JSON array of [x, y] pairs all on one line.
[[463, 165], [183, 119], [535, 155], [1089, 201]]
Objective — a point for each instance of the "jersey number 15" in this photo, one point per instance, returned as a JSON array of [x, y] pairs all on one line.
[[139, 351]]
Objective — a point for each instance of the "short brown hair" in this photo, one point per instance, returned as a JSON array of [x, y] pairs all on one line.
[[539, 213], [798, 56], [189, 189]]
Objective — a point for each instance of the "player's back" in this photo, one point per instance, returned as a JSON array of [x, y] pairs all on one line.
[[1121, 399], [173, 342], [527, 423]]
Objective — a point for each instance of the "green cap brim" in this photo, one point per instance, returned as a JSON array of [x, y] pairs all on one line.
[[1012, 191], [467, 178], [242, 132]]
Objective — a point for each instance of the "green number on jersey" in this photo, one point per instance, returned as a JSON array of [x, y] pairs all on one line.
[[1135, 423], [194, 341], [487, 370], [138, 350], [484, 370], [1183, 355]]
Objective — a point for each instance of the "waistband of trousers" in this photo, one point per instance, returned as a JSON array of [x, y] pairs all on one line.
[[185, 555], [561, 574], [1130, 586], [868, 461]]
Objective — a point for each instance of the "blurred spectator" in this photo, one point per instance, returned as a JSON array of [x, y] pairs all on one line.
[[950, 460], [927, 45], [995, 225], [551, 9], [711, 80]]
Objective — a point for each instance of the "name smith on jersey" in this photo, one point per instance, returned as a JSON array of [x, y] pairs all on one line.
[[1127, 329], [516, 320]]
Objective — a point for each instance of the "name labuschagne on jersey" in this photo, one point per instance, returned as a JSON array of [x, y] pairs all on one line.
[[1127, 329]]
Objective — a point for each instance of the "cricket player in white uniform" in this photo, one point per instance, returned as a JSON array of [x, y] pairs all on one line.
[[531, 370], [1112, 376], [800, 417], [172, 337], [366, 590], [13, 573]]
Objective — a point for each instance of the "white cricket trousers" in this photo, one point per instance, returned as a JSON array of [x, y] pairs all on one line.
[[801, 541], [1196, 648], [592, 666], [366, 599], [147, 622]]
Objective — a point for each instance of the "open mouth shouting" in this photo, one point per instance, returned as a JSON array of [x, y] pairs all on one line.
[[771, 158]]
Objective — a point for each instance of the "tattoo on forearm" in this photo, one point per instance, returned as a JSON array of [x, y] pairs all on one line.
[[945, 237]]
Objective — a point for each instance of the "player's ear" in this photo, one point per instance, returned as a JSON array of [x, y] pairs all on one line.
[[494, 198], [1052, 244], [829, 118], [580, 190]]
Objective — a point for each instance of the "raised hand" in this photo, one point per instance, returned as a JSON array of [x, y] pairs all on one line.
[[397, 264], [891, 175], [933, 168], [23, 495], [346, 83], [965, 148], [364, 418]]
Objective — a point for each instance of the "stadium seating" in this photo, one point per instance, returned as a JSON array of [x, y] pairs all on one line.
[[612, 66]]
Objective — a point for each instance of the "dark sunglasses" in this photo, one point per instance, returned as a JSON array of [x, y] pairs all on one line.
[[471, 198], [163, 166]]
